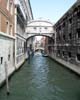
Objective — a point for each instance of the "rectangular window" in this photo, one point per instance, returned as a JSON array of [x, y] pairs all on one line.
[[78, 15], [59, 27], [11, 30], [35, 28], [70, 20], [58, 52], [8, 57], [7, 27], [59, 37], [70, 36], [69, 54], [78, 33], [63, 53], [64, 37], [45, 28], [78, 57], [63, 24], [1, 60]]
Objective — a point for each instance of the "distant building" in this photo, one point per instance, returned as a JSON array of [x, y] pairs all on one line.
[[49, 46], [43, 41]]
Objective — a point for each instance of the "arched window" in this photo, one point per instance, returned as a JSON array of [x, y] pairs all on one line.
[[78, 57]]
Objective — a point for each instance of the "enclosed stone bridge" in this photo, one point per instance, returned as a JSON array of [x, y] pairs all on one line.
[[39, 48], [39, 28]]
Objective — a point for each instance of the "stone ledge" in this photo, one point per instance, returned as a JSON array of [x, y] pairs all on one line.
[[70, 66], [7, 35]]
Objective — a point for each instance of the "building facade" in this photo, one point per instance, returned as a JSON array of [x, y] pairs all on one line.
[[14, 15], [23, 13], [68, 35], [50, 45], [7, 37]]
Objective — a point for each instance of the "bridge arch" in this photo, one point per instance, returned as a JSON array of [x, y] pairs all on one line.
[[40, 35], [39, 27]]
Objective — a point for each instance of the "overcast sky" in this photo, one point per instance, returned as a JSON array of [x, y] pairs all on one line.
[[50, 9]]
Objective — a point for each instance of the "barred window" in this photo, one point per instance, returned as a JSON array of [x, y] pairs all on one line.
[[78, 57]]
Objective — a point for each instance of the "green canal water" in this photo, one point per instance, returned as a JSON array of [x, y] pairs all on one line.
[[42, 79]]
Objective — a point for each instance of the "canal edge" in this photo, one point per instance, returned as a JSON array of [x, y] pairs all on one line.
[[73, 68]]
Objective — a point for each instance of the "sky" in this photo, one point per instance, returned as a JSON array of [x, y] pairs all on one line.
[[50, 9]]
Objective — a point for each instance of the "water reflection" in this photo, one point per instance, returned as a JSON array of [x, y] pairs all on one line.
[[43, 79]]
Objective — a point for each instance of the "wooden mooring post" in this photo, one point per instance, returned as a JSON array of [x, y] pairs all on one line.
[[7, 80]]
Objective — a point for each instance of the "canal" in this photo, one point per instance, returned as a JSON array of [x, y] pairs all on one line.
[[42, 79]]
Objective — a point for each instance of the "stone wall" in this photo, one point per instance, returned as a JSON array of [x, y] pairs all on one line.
[[7, 52]]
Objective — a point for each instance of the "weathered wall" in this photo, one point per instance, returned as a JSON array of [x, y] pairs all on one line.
[[7, 51]]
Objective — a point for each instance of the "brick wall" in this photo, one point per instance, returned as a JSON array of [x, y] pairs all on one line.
[[5, 16]]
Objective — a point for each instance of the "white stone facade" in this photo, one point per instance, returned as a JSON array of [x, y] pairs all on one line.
[[12, 48], [20, 54], [7, 52], [23, 13], [39, 27]]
